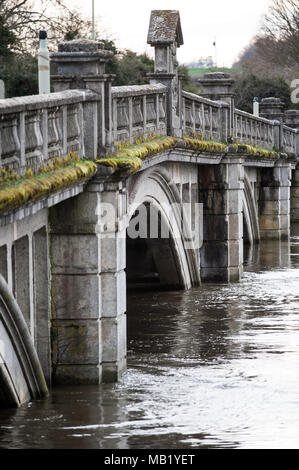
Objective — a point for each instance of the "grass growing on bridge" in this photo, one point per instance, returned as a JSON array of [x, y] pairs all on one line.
[[128, 157], [252, 151], [63, 172]]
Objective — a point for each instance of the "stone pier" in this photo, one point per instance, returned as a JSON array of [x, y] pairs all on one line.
[[274, 202], [220, 189]]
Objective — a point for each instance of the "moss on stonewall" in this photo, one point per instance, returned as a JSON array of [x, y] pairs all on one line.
[[252, 151], [128, 157], [59, 174]]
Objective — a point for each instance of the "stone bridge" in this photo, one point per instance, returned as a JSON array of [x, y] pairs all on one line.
[[86, 167]]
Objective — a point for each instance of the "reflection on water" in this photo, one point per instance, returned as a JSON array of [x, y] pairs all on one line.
[[216, 366]]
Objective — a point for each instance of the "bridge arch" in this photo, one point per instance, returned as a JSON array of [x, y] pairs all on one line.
[[174, 256], [21, 376], [251, 231]]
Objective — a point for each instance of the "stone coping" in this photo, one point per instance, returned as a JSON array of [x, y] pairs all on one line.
[[81, 55], [291, 129], [50, 100], [201, 99], [137, 90], [256, 118]]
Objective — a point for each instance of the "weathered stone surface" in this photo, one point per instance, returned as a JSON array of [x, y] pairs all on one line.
[[270, 234], [76, 296], [113, 252], [114, 337], [165, 28], [214, 255], [76, 342], [80, 45], [113, 294], [225, 275], [221, 201], [67, 374], [112, 371], [272, 108], [75, 254], [269, 222]]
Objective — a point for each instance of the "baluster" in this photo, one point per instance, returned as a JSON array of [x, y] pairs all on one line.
[[81, 130], [211, 122], [64, 130], [130, 118], [252, 140], [115, 123], [184, 115], [44, 126], [144, 113], [22, 139], [193, 116], [203, 120], [157, 112]]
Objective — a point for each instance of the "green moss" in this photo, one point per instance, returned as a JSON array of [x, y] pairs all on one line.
[[128, 157], [49, 179], [204, 145], [252, 151]]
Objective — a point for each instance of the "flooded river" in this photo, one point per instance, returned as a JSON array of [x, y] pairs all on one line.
[[213, 367]]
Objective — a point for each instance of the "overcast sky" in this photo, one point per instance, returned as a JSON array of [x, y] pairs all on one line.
[[232, 22]]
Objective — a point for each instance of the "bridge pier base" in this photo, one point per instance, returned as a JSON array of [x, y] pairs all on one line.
[[88, 286], [76, 290], [113, 280], [274, 203], [221, 189]]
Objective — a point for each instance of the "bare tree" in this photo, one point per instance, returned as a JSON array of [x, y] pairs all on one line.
[[280, 32], [275, 50], [21, 20]]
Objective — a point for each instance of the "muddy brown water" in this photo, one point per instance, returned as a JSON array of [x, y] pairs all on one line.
[[213, 367]]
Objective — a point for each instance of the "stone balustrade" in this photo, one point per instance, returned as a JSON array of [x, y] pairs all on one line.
[[290, 139], [137, 111], [87, 115], [256, 131], [203, 116], [34, 129]]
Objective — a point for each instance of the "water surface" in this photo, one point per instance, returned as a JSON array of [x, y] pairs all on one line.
[[213, 367]]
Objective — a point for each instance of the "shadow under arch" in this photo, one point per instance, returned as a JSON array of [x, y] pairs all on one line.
[[21, 376], [251, 232], [168, 259]]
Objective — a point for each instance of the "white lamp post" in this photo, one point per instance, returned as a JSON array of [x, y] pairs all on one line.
[[256, 107], [43, 64]]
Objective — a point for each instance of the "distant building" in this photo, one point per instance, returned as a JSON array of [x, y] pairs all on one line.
[[202, 62]]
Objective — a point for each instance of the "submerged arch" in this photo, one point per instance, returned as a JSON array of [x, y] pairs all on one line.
[[21, 376]]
